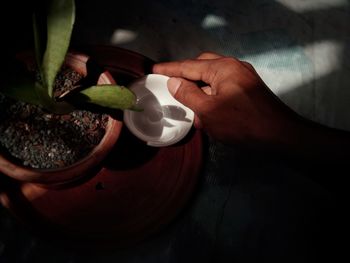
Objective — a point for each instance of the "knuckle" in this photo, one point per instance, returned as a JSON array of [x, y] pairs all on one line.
[[206, 54], [185, 65], [248, 65], [230, 60], [230, 63]]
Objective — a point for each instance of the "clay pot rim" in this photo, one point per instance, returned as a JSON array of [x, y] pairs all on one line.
[[78, 169]]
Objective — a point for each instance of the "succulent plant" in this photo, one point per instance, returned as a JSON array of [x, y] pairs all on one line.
[[52, 29]]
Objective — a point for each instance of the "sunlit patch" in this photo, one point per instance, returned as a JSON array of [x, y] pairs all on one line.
[[122, 36], [297, 66], [298, 76], [327, 56], [213, 21], [302, 5]]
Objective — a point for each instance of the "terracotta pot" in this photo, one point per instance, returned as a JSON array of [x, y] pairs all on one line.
[[136, 192], [67, 175]]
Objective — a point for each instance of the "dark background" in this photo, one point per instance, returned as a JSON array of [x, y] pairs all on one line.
[[248, 206]]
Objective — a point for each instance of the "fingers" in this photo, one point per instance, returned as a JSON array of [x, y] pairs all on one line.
[[190, 95], [196, 69], [204, 68], [189, 69], [208, 90], [209, 55], [187, 93]]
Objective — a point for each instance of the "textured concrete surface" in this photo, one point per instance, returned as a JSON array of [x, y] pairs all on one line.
[[300, 48], [247, 208]]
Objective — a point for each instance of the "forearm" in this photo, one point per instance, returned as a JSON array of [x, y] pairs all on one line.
[[316, 142], [310, 149], [303, 138]]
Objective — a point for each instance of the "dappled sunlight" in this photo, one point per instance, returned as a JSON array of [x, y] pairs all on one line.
[[213, 21], [247, 204], [285, 69], [316, 67], [123, 36], [327, 56], [302, 5]]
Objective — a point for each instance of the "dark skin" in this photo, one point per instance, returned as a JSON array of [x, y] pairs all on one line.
[[236, 107]]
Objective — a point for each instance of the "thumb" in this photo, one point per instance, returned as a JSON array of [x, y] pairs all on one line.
[[187, 93]]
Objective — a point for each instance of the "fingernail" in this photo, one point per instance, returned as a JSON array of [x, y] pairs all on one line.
[[173, 85]]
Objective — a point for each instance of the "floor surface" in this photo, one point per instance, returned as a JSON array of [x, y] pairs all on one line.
[[247, 207]]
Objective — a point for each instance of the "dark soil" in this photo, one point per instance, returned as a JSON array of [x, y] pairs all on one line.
[[39, 139]]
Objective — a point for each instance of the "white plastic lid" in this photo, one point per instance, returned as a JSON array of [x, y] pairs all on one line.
[[164, 121]]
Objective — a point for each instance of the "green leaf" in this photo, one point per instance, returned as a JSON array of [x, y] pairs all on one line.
[[60, 21], [111, 96], [51, 105], [23, 90], [28, 91]]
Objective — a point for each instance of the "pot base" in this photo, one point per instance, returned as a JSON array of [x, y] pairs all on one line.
[[127, 200]]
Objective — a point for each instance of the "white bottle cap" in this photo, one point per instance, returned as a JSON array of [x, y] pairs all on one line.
[[163, 120]]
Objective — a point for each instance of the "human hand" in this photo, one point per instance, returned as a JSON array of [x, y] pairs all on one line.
[[235, 106]]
